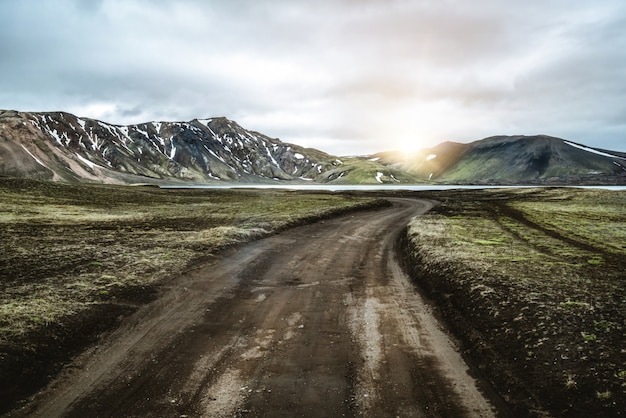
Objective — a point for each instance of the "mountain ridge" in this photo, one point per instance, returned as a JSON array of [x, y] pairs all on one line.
[[513, 159], [60, 146]]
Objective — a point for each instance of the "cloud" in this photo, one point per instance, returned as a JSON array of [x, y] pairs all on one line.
[[350, 75]]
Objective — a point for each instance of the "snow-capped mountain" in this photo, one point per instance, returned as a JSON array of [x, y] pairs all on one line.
[[61, 146]]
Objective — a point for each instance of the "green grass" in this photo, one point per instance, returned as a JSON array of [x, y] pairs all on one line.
[[476, 168], [539, 273], [364, 171], [69, 248]]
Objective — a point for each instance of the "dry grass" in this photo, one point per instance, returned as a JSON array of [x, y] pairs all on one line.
[[67, 248], [538, 273]]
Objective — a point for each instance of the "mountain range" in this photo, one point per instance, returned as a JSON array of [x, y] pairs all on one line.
[[60, 146], [538, 159]]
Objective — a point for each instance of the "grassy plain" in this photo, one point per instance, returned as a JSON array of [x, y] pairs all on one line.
[[358, 170], [534, 282], [76, 257]]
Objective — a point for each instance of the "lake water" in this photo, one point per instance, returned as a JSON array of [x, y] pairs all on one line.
[[348, 187]]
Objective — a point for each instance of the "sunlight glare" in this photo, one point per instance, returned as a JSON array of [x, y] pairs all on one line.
[[409, 144]]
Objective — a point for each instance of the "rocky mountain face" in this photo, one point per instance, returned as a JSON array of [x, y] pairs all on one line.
[[61, 146], [537, 159]]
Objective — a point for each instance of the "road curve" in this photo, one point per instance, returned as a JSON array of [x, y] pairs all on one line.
[[318, 321]]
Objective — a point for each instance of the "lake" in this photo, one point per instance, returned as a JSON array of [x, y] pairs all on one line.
[[359, 187]]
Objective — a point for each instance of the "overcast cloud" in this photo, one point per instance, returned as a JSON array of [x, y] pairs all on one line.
[[344, 76]]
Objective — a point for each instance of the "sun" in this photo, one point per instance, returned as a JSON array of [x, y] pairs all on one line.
[[409, 138], [409, 144], [401, 132]]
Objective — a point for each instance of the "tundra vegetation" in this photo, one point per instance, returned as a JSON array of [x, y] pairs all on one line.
[[533, 283], [75, 258]]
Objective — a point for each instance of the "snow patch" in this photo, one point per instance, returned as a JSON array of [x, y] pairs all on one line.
[[144, 133], [269, 154], [81, 122], [298, 156], [379, 177], [205, 122], [604, 154], [124, 131], [431, 157], [94, 142], [55, 135], [374, 159], [35, 158], [213, 177], [91, 164], [217, 156], [108, 128]]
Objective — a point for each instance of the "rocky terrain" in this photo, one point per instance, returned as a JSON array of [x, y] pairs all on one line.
[[63, 147], [60, 146]]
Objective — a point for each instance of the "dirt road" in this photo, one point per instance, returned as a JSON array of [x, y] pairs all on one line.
[[316, 321]]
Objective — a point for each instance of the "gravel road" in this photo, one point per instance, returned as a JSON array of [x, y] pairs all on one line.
[[317, 321]]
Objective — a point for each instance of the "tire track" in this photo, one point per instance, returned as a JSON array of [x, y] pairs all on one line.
[[316, 321]]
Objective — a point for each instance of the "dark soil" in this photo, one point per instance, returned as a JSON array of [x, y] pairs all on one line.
[[55, 252], [317, 321], [533, 353], [532, 384], [26, 371]]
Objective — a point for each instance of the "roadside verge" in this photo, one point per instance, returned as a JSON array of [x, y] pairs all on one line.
[[531, 282]]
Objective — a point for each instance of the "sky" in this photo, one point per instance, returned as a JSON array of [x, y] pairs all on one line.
[[344, 76]]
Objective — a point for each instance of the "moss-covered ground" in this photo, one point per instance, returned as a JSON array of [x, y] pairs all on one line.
[[534, 283], [76, 257]]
